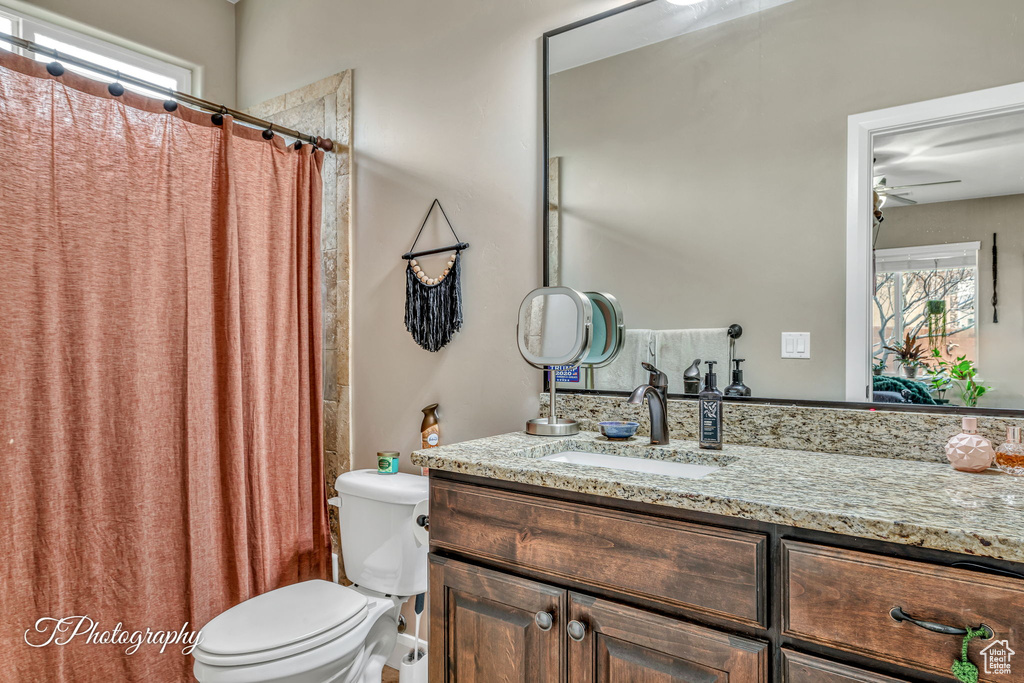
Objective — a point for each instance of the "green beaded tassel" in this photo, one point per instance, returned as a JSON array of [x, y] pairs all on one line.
[[964, 671]]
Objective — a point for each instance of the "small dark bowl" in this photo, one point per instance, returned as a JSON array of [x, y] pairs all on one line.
[[619, 430]]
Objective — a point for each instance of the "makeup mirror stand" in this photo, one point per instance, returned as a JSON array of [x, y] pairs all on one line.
[[555, 329]]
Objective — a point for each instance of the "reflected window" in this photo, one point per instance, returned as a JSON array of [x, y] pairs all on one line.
[[929, 293]]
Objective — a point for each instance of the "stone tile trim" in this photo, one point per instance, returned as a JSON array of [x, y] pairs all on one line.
[[874, 433]]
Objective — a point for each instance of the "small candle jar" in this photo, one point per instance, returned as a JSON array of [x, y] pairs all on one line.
[[1010, 456], [969, 451], [387, 462]]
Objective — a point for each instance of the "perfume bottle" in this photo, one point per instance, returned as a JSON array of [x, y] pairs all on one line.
[[969, 451], [1010, 456]]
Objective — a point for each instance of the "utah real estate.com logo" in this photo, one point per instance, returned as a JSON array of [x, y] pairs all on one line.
[[997, 657]]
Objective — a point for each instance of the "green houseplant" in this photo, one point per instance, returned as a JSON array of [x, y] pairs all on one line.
[[910, 354], [964, 375], [938, 383], [937, 321]]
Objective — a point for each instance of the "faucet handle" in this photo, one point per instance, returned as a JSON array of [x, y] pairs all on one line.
[[658, 379]]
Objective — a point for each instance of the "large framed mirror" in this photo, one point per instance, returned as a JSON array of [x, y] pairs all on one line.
[[830, 177]]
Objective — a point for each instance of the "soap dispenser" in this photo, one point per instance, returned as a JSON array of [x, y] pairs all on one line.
[[709, 407], [737, 388], [691, 378]]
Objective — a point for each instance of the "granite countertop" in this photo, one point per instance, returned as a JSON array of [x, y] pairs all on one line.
[[915, 503]]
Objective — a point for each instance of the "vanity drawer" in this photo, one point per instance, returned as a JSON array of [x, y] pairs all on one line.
[[706, 569], [801, 668], [843, 599]]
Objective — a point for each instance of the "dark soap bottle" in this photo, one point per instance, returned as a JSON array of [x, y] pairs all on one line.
[[737, 388], [709, 407], [691, 378]]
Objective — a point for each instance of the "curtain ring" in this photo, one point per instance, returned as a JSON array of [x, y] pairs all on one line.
[[55, 68], [115, 88], [268, 134], [218, 118]]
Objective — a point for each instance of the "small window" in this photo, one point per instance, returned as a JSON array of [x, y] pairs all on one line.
[[10, 25], [930, 293], [101, 52]]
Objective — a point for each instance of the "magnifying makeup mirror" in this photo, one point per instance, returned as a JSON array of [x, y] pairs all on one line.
[[555, 330], [609, 334]]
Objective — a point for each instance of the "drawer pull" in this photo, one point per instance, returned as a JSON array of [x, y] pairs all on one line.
[[544, 621], [898, 614], [576, 630], [974, 566]]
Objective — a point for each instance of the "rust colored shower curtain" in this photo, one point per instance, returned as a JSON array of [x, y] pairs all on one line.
[[160, 394]]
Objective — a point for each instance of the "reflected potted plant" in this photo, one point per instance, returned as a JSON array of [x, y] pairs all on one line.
[[910, 355], [938, 383], [962, 373], [937, 321]]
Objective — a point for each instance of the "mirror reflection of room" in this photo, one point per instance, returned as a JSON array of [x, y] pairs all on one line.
[[703, 207], [948, 202]]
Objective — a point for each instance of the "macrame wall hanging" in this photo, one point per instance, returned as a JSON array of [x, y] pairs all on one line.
[[433, 305]]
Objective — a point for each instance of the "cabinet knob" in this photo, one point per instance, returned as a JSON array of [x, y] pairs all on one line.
[[576, 630], [544, 621]]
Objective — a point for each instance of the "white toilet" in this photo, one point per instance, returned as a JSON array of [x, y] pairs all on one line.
[[319, 631]]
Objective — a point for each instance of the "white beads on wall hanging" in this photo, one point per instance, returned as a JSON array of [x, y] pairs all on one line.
[[422, 276]]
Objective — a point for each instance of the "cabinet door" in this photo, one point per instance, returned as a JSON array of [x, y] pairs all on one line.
[[801, 668], [489, 627], [625, 645]]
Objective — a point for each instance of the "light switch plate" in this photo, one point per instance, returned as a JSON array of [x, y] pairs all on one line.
[[796, 344]]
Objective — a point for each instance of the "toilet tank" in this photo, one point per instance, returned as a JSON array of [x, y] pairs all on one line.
[[383, 547]]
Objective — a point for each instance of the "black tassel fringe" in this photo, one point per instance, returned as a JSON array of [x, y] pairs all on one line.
[[433, 313]]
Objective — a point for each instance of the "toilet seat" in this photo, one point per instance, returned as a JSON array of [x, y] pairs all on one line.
[[281, 623]]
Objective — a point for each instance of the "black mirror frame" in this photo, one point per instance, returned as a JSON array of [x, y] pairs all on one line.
[[748, 400]]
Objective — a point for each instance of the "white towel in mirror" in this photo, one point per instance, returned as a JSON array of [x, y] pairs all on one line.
[[625, 373], [677, 349]]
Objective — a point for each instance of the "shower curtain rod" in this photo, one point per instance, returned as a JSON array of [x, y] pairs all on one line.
[[325, 144]]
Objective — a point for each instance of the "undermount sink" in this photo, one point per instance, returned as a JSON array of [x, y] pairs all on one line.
[[646, 465]]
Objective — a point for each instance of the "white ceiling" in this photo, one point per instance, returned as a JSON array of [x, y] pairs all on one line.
[[644, 25], [987, 155]]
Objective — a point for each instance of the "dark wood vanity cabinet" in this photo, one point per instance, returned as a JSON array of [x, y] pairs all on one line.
[[494, 627], [536, 585], [621, 643]]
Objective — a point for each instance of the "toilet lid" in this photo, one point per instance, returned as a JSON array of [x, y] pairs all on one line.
[[282, 617]]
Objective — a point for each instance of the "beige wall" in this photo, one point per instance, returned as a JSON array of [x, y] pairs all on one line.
[[703, 178], [201, 32], [446, 104], [1000, 345]]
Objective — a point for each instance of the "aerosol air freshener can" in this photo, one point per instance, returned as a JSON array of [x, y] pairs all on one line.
[[430, 431]]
